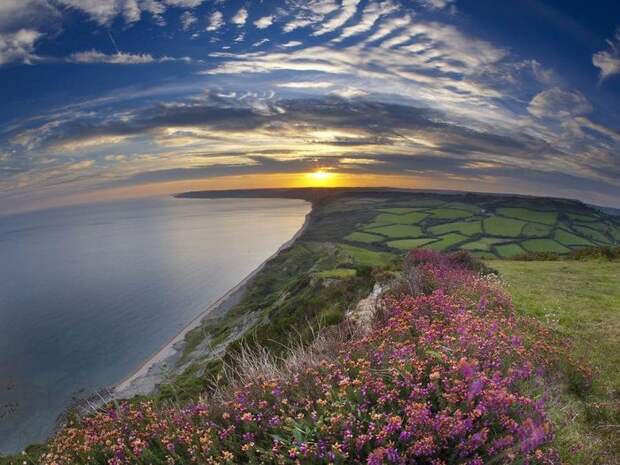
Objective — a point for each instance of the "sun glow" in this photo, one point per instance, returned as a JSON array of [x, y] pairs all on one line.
[[320, 177]]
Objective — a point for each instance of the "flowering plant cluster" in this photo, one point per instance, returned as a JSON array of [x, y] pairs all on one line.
[[450, 375]]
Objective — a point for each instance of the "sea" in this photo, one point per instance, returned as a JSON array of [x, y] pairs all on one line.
[[88, 293]]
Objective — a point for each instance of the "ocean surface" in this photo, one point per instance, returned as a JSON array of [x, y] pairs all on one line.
[[88, 293]]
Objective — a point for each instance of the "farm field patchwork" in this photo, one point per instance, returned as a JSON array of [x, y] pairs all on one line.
[[486, 225]]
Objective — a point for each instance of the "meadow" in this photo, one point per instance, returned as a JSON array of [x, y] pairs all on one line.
[[581, 301]]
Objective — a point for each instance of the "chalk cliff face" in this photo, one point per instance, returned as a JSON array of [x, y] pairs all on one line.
[[366, 308]]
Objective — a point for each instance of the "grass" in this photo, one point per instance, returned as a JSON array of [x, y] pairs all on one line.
[[509, 250], [397, 211], [525, 214], [367, 257], [592, 234], [483, 244], [367, 238], [450, 213], [448, 241], [470, 207], [408, 244], [536, 230], [544, 245], [466, 228], [399, 230], [337, 273], [407, 218], [580, 299], [580, 217], [567, 238], [506, 227]]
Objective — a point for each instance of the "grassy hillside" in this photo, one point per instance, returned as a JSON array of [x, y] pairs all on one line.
[[580, 299]]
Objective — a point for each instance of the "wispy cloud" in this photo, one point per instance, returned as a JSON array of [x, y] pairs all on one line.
[[120, 58], [19, 46], [608, 61], [347, 10], [371, 15], [305, 85], [188, 19], [559, 104]]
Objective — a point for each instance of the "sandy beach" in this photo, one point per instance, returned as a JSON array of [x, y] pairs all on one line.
[[146, 378]]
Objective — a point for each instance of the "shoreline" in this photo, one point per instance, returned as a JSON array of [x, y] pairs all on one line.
[[149, 374]]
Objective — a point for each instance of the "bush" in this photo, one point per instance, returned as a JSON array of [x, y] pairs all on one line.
[[450, 375]]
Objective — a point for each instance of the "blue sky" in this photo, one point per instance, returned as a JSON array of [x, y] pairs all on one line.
[[115, 98]]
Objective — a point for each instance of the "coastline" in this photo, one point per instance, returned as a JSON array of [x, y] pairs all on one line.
[[149, 374]]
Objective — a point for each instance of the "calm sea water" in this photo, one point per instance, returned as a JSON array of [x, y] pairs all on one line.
[[88, 293]]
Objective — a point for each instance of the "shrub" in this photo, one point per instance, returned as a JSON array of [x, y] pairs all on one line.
[[447, 375]]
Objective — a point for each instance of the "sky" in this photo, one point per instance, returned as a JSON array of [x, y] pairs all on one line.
[[106, 99]]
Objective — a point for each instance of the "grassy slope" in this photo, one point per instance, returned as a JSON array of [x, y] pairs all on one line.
[[581, 300]]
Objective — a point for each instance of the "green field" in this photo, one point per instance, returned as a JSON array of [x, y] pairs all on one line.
[[505, 227], [567, 238], [591, 233], [580, 300], [525, 214], [536, 230], [544, 245], [363, 237], [398, 230], [366, 257], [462, 227], [508, 250], [448, 241], [408, 244], [450, 213]]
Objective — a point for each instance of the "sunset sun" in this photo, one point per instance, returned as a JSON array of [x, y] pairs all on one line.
[[320, 177]]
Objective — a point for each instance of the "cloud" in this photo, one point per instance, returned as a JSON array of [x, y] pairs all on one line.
[[308, 12], [184, 3], [264, 22], [247, 133], [559, 104], [370, 16], [94, 56], [608, 61], [240, 17], [19, 46], [188, 19], [347, 10], [436, 4], [305, 85], [260, 42], [105, 11], [216, 21], [432, 63], [292, 43], [120, 58]]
